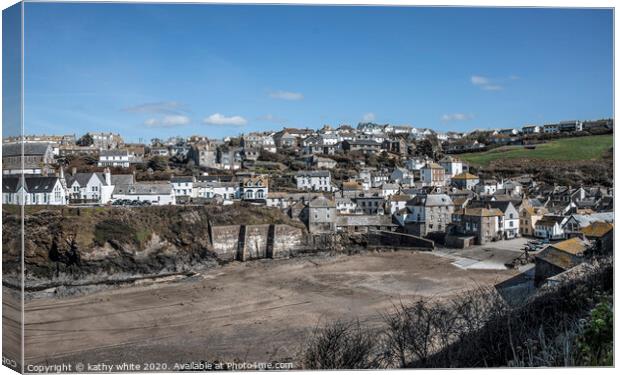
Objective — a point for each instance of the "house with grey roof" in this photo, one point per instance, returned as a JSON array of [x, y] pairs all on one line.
[[364, 223], [90, 187], [32, 158], [158, 193], [114, 158], [314, 180], [33, 190], [321, 215], [428, 213]]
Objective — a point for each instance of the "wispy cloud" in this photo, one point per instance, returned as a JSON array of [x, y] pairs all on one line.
[[220, 119], [369, 117], [167, 121], [271, 118], [169, 107], [491, 84], [456, 117], [286, 95]]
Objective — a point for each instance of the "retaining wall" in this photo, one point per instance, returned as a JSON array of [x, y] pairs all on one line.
[[397, 240], [246, 242]]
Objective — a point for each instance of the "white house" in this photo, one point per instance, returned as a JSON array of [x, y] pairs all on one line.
[[33, 190], [387, 190], [345, 205], [329, 139], [402, 176], [159, 193], [90, 187], [415, 164], [488, 187], [452, 165], [114, 158], [183, 186], [314, 180], [254, 188], [397, 202], [530, 129], [216, 189], [509, 224], [550, 227], [551, 128]]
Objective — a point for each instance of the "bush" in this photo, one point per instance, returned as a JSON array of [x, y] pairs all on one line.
[[115, 230], [340, 345], [479, 329]]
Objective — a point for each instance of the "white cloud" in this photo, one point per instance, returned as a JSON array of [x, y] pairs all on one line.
[[169, 107], [368, 117], [167, 121], [219, 119], [286, 95], [492, 84], [479, 80], [456, 117], [493, 87]]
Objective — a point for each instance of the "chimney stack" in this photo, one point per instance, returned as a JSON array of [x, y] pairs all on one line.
[[73, 171], [108, 176]]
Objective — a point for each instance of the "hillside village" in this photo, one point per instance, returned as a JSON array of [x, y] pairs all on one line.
[[354, 180]]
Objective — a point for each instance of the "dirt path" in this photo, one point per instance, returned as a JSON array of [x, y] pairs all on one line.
[[254, 311]]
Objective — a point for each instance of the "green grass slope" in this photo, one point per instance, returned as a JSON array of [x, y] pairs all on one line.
[[579, 148]]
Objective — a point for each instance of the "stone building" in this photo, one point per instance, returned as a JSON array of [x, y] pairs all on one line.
[[428, 213], [601, 234], [203, 154], [36, 158], [321, 215], [559, 257], [483, 223]]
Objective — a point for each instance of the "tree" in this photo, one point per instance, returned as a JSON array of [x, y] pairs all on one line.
[[85, 140], [425, 148], [158, 163]]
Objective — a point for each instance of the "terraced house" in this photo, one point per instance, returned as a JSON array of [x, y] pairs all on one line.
[[254, 188]]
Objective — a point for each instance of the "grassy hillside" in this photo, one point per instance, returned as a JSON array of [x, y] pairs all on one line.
[[579, 148]]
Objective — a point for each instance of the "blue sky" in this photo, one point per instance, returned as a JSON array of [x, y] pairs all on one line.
[[162, 70]]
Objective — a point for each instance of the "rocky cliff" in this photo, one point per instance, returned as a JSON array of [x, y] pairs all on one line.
[[77, 246]]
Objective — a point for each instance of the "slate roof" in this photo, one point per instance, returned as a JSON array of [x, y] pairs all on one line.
[[143, 188], [122, 179], [431, 200], [40, 184], [550, 220], [34, 184], [179, 179], [321, 202], [114, 152], [30, 148], [83, 178], [10, 184], [313, 174], [364, 220]]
